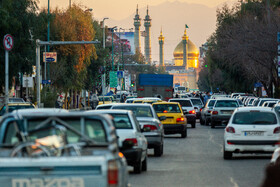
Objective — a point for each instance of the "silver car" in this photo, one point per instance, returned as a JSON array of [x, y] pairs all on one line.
[[147, 118]]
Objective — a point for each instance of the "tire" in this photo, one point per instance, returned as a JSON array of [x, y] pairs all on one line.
[[158, 151], [213, 124], [193, 125], [227, 155], [184, 133], [206, 122], [144, 165], [137, 168]]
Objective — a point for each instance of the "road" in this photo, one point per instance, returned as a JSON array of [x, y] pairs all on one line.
[[197, 161]]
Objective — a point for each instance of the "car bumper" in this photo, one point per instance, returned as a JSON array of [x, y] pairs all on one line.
[[174, 128], [133, 156], [219, 119], [198, 114], [251, 146], [191, 119]]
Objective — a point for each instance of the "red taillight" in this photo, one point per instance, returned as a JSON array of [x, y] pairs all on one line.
[[214, 112], [230, 143], [113, 173], [200, 110], [209, 111], [152, 127], [192, 112], [165, 111], [132, 140], [230, 130], [180, 119], [276, 130]]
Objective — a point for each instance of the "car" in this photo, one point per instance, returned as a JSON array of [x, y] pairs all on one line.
[[269, 103], [147, 117], [259, 101], [188, 109], [129, 132], [107, 100], [198, 104], [205, 117], [222, 111], [251, 130], [54, 145], [175, 121], [16, 106], [104, 106]]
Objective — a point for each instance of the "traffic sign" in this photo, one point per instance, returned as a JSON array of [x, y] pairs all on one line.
[[113, 79], [120, 74], [8, 42], [46, 81], [49, 57]]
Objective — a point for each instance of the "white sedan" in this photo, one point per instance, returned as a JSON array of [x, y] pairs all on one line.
[[251, 130]]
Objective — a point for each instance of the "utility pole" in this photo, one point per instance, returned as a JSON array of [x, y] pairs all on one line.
[[113, 47], [103, 78]]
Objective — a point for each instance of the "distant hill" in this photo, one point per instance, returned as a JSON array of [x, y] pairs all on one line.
[[172, 17]]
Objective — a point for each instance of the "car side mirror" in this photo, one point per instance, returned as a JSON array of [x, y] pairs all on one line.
[[127, 144], [162, 118], [146, 129]]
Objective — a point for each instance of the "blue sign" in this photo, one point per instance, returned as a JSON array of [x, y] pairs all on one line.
[[258, 85], [120, 74], [278, 37], [46, 81], [50, 59]]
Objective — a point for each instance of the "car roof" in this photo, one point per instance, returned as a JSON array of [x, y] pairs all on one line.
[[181, 99], [109, 111], [21, 104], [262, 109], [131, 104], [39, 111], [162, 103]]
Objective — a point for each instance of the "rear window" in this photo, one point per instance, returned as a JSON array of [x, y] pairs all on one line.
[[167, 108], [139, 111], [185, 103], [211, 103], [12, 108], [224, 103], [254, 118], [104, 107], [264, 100], [196, 102], [122, 121], [105, 99]]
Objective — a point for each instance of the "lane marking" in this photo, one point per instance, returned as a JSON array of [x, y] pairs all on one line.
[[233, 182]]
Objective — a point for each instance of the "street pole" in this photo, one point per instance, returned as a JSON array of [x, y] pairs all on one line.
[[48, 38], [7, 80], [103, 78], [38, 81]]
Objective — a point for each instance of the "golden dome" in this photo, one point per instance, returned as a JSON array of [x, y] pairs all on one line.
[[192, 49]]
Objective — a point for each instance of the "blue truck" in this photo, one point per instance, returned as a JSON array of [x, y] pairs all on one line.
[[155, 85]]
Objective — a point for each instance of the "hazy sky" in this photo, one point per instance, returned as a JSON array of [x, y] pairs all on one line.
[[120, 9]]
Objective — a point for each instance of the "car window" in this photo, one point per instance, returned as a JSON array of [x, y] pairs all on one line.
[[211, 103], [104, 107], [138, 111], [10, 134], [224, 103], [167, 108], [122, 121], [183, 103], [254, 118], [196, 102], [264, 100], [16, 107], [92, 128]]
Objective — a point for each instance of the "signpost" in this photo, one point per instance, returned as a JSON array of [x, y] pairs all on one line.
[[49, 57], [8, 42], [113, 79]]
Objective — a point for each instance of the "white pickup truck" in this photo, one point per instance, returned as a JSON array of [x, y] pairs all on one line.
[[52, 147]]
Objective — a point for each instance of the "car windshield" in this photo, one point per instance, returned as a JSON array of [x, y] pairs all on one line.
[[196, 102], [139, 111], [122, 121], [254, 118], [16, 107], [167, 108], [183, 103], [225, 103]]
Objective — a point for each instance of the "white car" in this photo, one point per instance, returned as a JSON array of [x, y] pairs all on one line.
[[251, 130]]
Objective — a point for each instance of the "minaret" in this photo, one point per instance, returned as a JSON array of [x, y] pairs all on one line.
[[185, 39], [137, 24], [147, 24], [161, 55]]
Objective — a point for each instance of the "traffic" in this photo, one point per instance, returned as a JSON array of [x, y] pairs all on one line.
[[114, 137]]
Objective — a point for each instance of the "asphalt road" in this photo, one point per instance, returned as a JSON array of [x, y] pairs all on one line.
[[197, 161]]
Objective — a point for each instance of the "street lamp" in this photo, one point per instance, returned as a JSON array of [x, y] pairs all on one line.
[[103, 79], [112, 30]]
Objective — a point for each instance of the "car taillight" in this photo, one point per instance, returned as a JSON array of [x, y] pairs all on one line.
[[214, 112], [152, 127], [113, 173], [200, 110], [230, 129], [276, 130], [192, 112], [209, 111], [132, 140], [180, 119]]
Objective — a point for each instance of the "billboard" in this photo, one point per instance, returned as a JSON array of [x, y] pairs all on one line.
[[122, 41]]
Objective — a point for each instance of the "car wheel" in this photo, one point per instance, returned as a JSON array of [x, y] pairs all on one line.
[[202, 122], [144, 164], [138, 167], [206, 122], [184, 133], [227, 155], [158, 150], [193, 125]]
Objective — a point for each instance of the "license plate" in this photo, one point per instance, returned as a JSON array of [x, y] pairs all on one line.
[[227, 112], [253, 133]]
